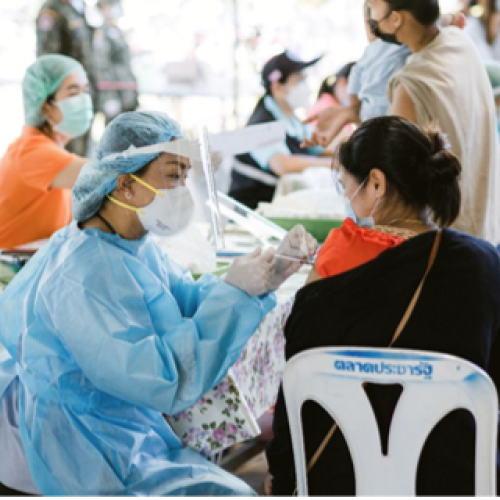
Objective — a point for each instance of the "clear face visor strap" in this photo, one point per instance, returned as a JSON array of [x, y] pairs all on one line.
[[135, 209]]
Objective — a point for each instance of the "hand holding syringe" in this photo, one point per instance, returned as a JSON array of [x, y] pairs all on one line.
[[297, 248], [309, 262]]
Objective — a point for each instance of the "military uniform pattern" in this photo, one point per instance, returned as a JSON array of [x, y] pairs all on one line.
[[115, 82], [61, 29]]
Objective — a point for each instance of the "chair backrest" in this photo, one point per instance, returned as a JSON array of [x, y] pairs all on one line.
[[433, 386]]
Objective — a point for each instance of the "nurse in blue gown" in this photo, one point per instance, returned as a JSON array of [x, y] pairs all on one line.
[[105, 334]]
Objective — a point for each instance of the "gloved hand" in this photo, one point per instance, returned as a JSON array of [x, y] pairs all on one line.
[[252, 273], [297, 243]]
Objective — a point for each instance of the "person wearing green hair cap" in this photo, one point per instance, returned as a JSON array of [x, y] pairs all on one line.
[[36, 172]]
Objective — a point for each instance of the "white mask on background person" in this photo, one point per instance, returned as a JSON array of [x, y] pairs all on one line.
[[299, 95], [367, 222], [169, 213]]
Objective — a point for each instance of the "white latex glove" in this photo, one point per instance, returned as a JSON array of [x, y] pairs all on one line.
[[253, 273], [297, 243]]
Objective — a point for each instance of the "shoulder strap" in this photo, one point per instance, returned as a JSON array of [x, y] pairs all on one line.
[[397, 333], [418, 291]]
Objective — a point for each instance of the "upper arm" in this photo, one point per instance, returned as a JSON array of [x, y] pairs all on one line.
[[402, 104], [67, 177], [313, 276], [42, 161]]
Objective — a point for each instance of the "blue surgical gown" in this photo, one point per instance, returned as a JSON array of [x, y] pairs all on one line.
[[109, 334]]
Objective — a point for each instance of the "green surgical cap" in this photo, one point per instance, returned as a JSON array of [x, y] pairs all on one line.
[[42, 79]]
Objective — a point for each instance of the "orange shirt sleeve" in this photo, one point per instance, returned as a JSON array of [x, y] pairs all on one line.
[[351, 246], [44, 161]]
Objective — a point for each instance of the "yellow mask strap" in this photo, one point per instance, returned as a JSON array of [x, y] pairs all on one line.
[[124, 205], [135, 209], [146, 185]]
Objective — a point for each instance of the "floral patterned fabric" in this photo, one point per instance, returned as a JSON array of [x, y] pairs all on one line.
[[227, 414]]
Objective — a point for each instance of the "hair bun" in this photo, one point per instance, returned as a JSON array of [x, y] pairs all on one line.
[[443, 165]]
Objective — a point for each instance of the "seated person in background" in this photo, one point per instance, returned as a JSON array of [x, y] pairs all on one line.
[[255, 175], [333, 91], [395, 176], [36, 172]]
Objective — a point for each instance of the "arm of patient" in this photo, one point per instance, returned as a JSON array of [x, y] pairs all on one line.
[[313, 276]]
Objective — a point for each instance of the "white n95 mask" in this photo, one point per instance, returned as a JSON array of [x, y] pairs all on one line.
[[298, 96], [169, 213]]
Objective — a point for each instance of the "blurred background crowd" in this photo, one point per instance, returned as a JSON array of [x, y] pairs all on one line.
[[197, 60]]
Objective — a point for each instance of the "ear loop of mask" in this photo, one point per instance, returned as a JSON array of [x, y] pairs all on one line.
[[370, 217], [135, 209]]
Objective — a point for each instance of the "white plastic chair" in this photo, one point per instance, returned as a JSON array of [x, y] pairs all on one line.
[[433, 386]]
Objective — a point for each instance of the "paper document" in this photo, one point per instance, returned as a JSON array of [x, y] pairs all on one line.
[[233, 142], [248, 138]]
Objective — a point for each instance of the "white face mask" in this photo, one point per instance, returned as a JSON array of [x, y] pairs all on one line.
[[169, 213], [77, 114], [299, 96]]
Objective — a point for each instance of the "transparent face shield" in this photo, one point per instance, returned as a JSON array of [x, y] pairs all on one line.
[[204, 153], [181, 187]]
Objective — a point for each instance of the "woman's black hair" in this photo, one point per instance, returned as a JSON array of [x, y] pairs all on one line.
[[45, 127], [267, 84], [419, 168], [426, 12]]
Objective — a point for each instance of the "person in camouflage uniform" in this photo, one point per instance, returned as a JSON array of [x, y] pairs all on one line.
[[61, 28], [115, 81]]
